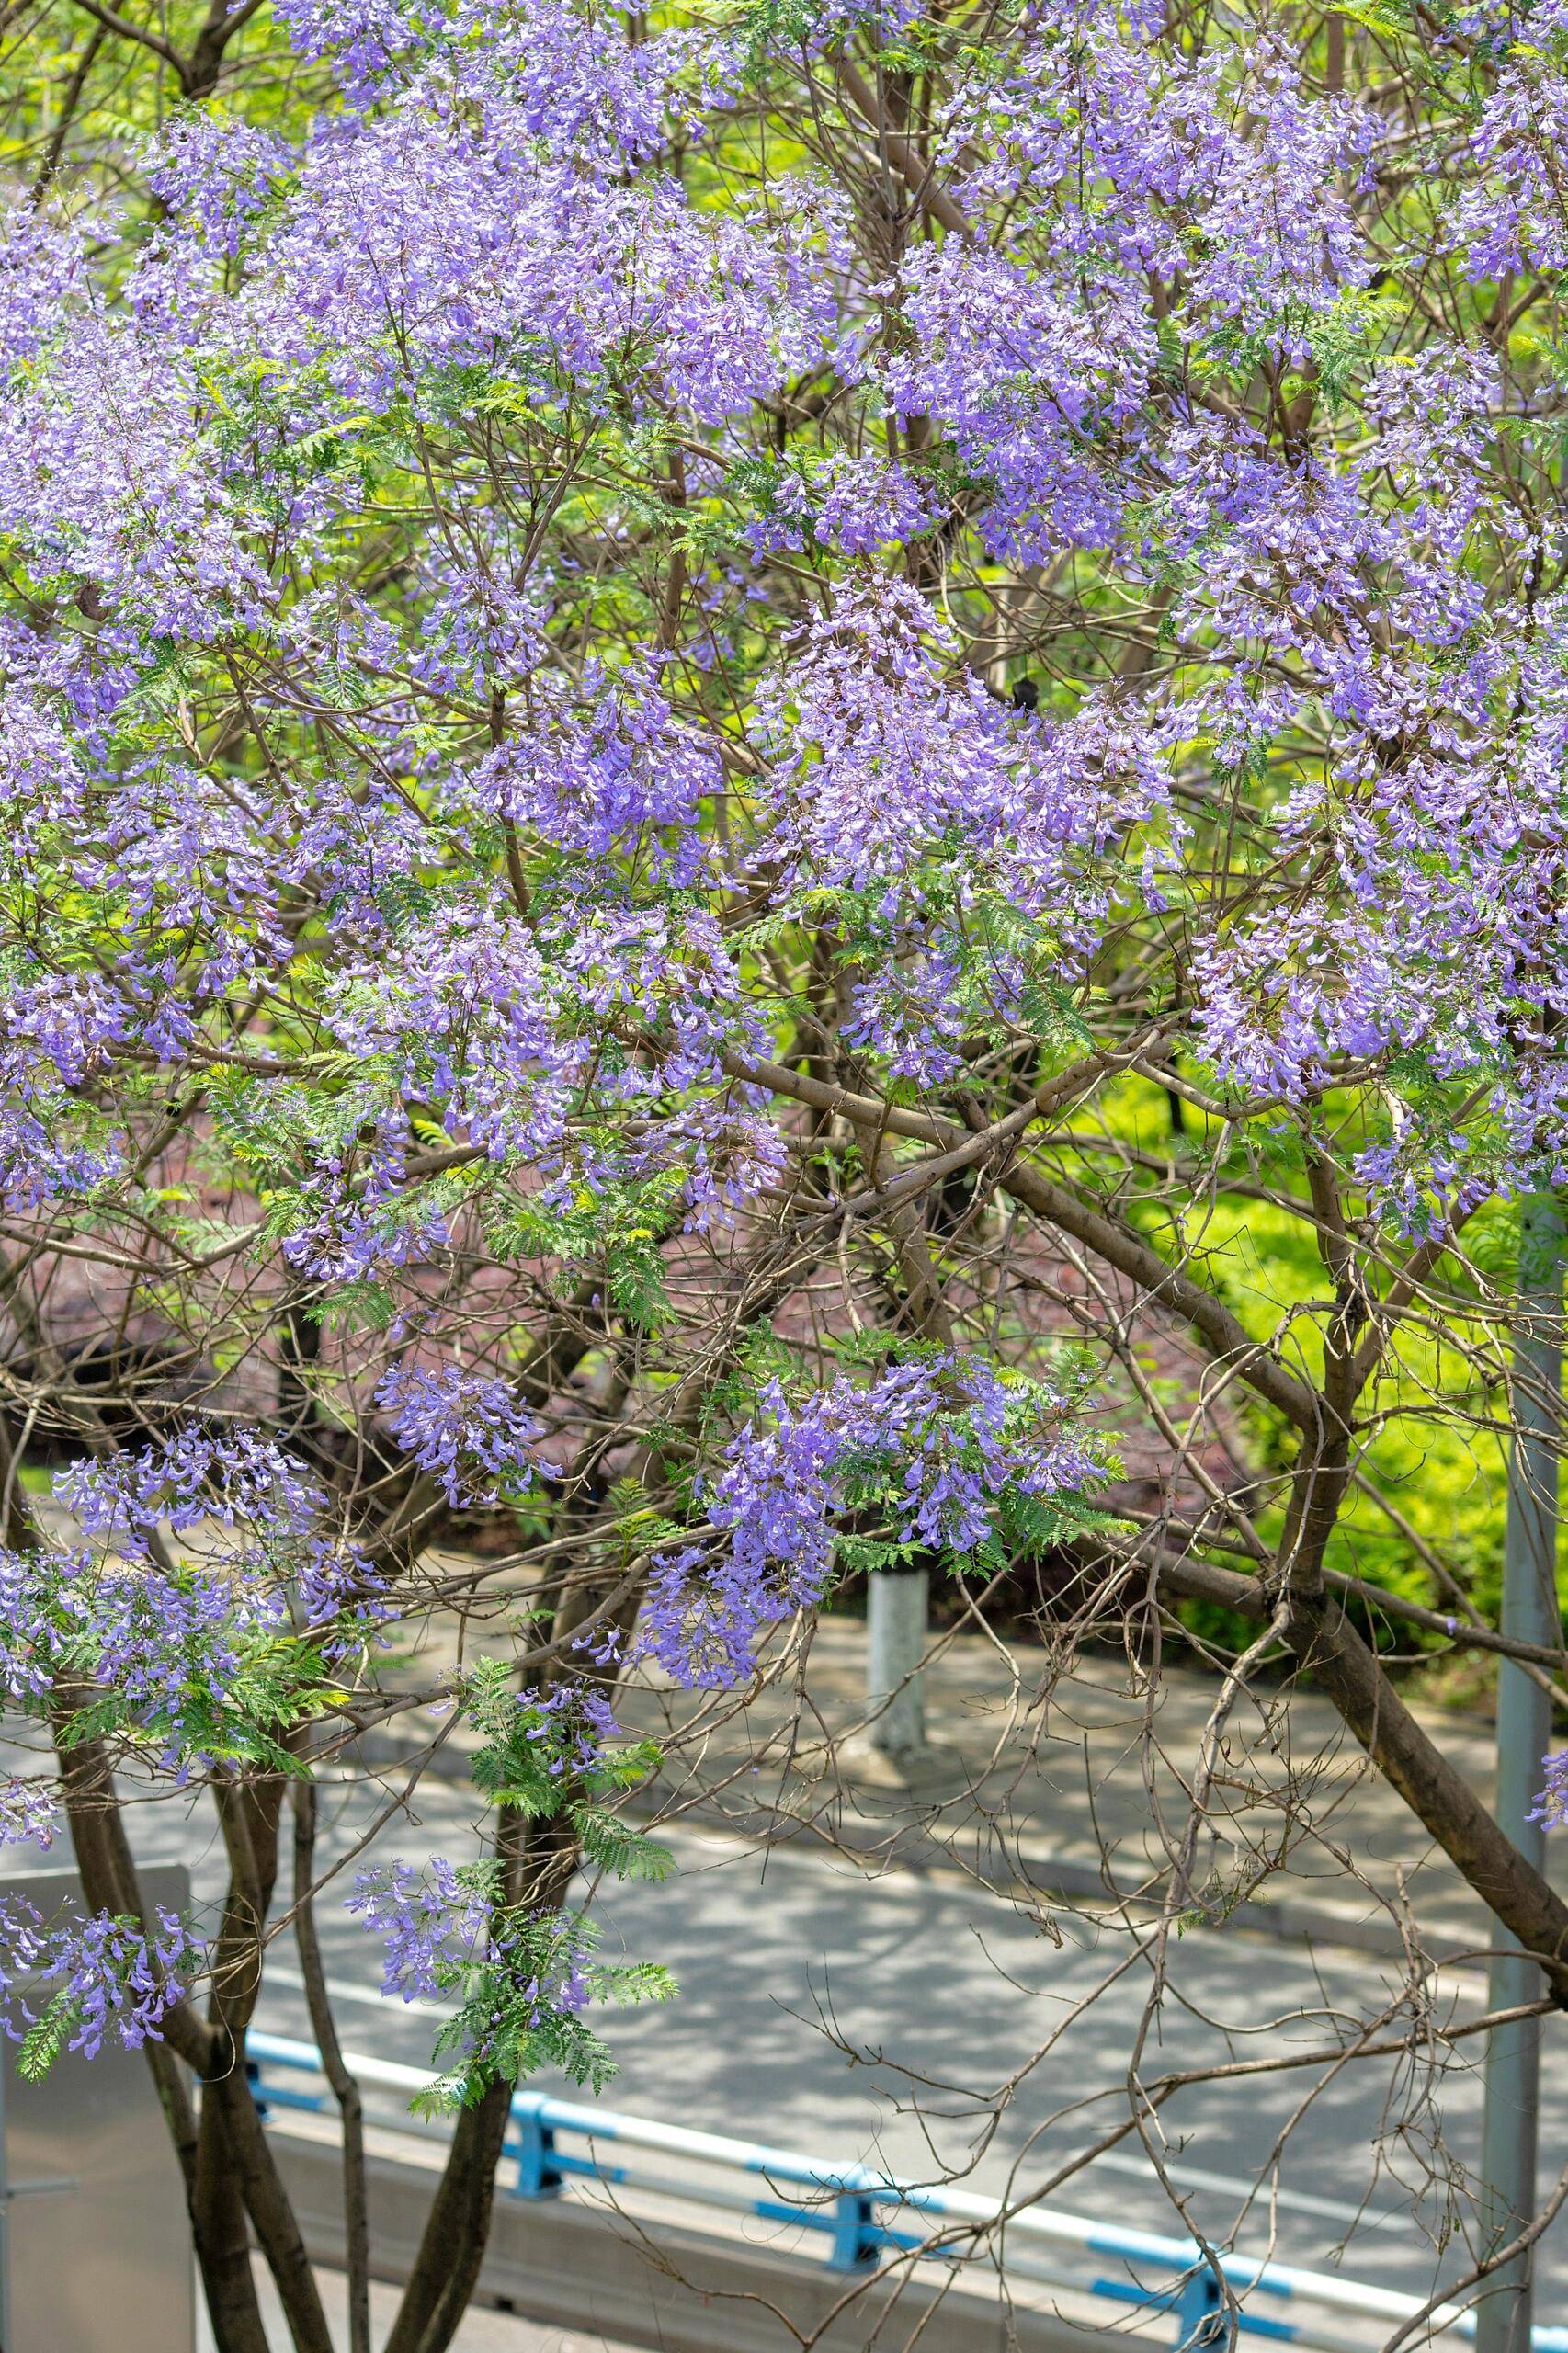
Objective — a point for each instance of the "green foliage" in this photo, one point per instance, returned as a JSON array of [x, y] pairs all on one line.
[[521, 2009], [48, 2036], [543, 1760], [1343, 339], [609, 1844], [618, 1228]]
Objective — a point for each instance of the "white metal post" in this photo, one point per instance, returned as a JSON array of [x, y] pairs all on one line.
[[896, 1605]]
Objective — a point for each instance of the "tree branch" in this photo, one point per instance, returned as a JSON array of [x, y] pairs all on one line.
[[918, 176], [1328, 1646]]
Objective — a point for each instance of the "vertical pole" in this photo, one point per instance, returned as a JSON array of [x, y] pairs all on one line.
[[6, 2336], [896, 1603], [1524, 1732], [855, 2244], [1198, 2316], [533, 2144]]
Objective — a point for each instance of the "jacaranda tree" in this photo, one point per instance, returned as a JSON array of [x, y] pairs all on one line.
[[730, 735]]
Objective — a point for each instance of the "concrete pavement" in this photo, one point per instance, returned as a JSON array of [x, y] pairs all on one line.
[[906, 2023], [892, 1980], [482, 2332], [1074, 1788]]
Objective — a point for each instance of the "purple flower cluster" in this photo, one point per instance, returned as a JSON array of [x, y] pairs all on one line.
[[1552, 1806], [435, 1922], [278, 1523], [571, 1726], [466, 1017], [172, 1645], [232, 1477], [30, 1813], [502, 217], [885, 765], [604, 778], [175, 1640], [929, 1447], [1510, 215], [466, 1429], [357, 1222], [76, 1983], [521, 1974]]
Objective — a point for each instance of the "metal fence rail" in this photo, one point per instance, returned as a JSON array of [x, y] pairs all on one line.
[[859, 2215]]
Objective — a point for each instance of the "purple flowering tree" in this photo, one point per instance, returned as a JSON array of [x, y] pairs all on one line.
[[777, 780]]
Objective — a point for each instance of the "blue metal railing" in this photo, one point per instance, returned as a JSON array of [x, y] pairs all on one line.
[[863, 2215]]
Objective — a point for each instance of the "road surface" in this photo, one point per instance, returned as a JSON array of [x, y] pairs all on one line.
[[882, 2019]]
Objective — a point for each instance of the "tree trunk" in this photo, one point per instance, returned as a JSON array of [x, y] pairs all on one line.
[[1344, 1669], [451, 2248]]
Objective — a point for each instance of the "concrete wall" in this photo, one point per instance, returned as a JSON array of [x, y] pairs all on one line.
[[676, 2291]]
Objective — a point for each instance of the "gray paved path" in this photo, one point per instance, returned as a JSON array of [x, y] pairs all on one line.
[[877, 2021], [881, 2016], [1054, 1787], [480, 2332]]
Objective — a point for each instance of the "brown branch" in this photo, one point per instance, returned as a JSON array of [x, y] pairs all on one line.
[[197, 75], [218, 31], [345, 2090], [1225, 1336], [232, 2146], [142, 35], [68, 106], [919, 177], [1323, 1639]]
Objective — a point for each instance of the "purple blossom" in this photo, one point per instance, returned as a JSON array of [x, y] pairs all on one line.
[[173, 1639], [468, 1016], [464, 1427], [434, 1922], [232, 1477], [617, 777], [89, 1979], [571, 1725], [1552, 1806], [30, 1813], [934, 1445], [444, 1932], [168, 1644], [215, 176]]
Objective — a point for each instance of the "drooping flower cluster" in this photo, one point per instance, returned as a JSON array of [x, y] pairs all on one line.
[[1551, 1805], [524, 1977], [434, 1921], [571, 1728], [276, 1521], [200, 1649], [29, 1814], [440, 1923], [233, 1478], [466, 1429], [932, 1451], [76, 1983]]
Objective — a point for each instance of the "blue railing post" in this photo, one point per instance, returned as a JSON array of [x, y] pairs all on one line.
[[856, 2241], [845, 2205], [252, 2077], [1200, 2322], [539, 2176]]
